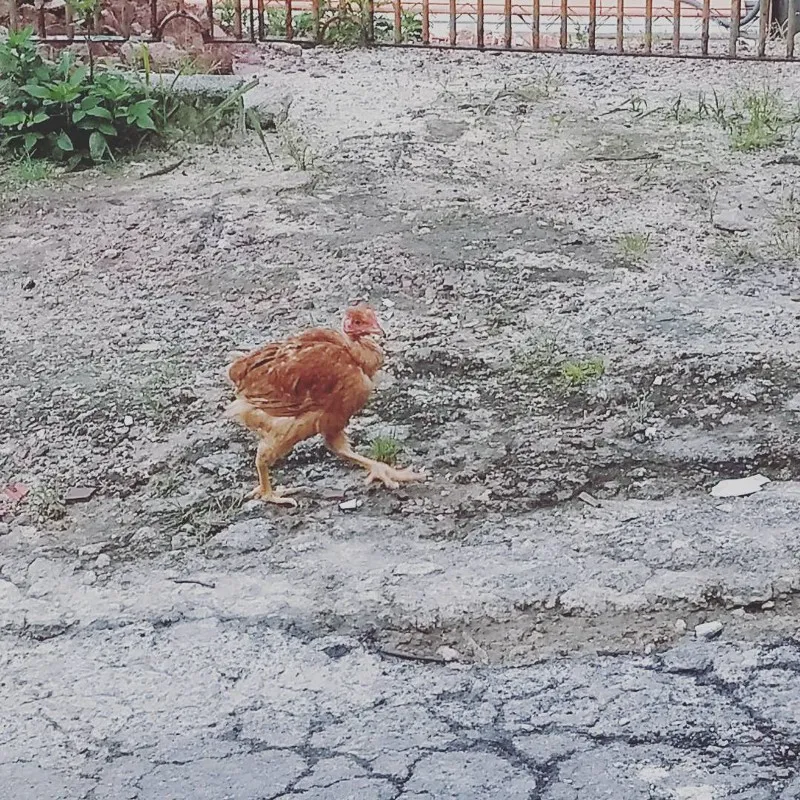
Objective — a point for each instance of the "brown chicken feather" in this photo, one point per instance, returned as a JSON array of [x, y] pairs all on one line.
[[309, 384], [319, 372]]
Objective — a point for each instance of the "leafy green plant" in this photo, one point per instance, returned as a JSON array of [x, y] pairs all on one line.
[[275, 22], [575, 374], [633, 247], [60, 111], [758, 120], [385, 449]]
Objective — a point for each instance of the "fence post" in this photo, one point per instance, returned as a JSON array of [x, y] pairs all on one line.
[[736, 15]]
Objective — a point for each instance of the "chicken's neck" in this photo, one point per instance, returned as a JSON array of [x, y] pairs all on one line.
[[367, 354]]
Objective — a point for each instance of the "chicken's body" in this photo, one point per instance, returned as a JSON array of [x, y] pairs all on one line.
[[309, 384]]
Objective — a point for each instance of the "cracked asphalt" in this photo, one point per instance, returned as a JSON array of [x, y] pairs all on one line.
[[209, 709]]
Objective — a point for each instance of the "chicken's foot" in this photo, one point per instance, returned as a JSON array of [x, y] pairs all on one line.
[[390, 477], [264, 490]]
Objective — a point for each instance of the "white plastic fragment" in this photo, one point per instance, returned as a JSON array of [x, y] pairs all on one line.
[[739, 487]]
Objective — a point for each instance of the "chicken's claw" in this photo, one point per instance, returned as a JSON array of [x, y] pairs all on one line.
[[391, 477], [278, 497]]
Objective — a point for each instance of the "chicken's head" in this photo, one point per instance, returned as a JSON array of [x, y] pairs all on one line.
[[360, 321]]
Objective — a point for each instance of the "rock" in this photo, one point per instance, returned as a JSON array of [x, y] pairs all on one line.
[[448, 653], [181, 541], [162, 55], [79, 494], [93, 549], [589, 500], [219, 463], [247, 536], [731, 220], [680, 626], [351, 505], [689, 656], [28, 284], [103, 561], [4, 528], [128, 421], [708, 630], [287, 48], [211, 88]]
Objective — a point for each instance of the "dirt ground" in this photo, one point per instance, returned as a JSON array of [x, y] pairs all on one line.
[[517, 221]]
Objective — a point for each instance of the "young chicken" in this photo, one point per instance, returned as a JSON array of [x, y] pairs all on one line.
[[309, 384]]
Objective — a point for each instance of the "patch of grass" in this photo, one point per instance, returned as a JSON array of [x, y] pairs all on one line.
[[385, 449], [576, 374], [205, 519], [754, 119], [784, 241], [26, 171], [734, 250], [167, 484], [46, 504], [633, 247], [544, 362], [759, 120], [293, 140], [539, 359]]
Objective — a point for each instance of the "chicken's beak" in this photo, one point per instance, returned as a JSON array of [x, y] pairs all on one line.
[[376, 330]]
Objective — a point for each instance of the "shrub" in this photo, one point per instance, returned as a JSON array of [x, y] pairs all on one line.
[[59, 110]]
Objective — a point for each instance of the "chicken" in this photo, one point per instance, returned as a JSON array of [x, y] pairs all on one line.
[[310, 384]]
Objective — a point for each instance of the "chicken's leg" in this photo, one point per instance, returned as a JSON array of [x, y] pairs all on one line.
[[376, 470], [265, 458]]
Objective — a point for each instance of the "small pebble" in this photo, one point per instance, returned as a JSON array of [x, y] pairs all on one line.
[[708, 630], [680, 626], [103, 560]]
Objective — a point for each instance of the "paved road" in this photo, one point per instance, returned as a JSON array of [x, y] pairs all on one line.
[[207, 710]]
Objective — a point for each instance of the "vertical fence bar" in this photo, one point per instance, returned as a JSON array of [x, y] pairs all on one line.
[[535, 21], [764, 20], [262, 28], [676, 27], [453, 29], [620, 26], [41, 31], [562, 36], [426, 21], [370, 32], [237, 20], [252, 17], [736, 13], [507, 31], [67, 20], [398, 22], [209, 16], [592, 33], [154, 17], [648, 26], [481, 21], [289, 32], [13, 19], [704, 31], [791, 28]]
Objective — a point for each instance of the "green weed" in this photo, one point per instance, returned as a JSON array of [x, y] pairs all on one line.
[[385, 449]]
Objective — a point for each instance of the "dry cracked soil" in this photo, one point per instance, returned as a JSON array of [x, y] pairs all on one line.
[[589, 280]]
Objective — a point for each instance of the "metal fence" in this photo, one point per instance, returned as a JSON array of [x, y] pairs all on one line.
[[763, 29]]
